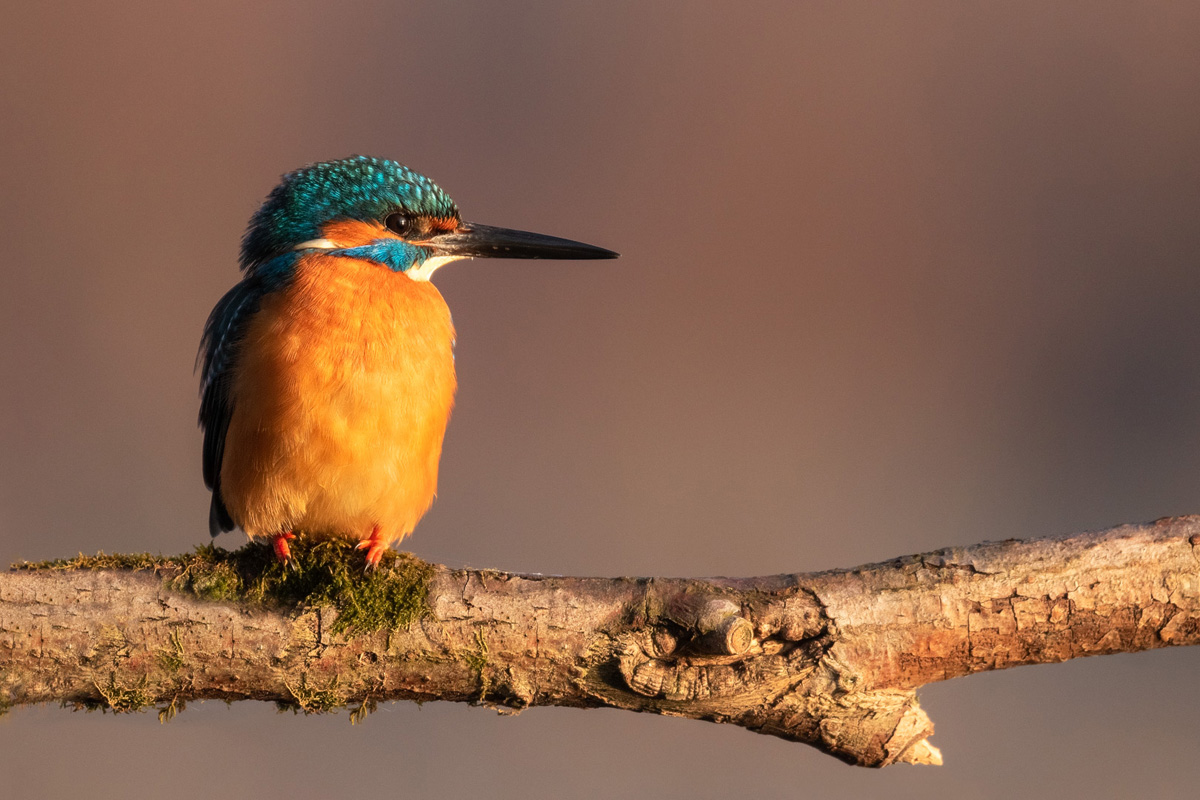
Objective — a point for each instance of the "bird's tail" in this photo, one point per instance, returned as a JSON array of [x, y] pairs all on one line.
[[219, 520]]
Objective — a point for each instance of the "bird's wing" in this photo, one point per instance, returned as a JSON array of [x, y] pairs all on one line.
[[218, 354]]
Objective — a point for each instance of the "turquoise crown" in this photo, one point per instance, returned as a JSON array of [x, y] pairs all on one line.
[[359, 187]]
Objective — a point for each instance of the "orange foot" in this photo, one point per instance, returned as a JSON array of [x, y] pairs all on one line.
[[279, 543], [375, 547]]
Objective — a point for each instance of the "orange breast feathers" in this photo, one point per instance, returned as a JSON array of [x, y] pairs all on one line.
[[341, 395]]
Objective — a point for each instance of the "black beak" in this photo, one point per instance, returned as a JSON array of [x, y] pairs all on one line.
[[470, 240]]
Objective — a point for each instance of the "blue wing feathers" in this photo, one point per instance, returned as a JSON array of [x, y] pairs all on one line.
[[223, 333]]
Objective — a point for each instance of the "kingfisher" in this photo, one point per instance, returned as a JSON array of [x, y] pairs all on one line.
[[327, 372]]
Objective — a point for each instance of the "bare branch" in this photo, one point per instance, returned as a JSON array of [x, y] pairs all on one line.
[[831, 659]]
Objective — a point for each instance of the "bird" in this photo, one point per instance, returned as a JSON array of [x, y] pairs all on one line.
[[327, 372]]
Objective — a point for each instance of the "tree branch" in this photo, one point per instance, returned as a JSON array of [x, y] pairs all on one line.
[[831, 659]]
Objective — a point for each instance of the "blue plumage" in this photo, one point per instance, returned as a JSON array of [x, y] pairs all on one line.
[[393, 254], [359, 187], [218, 347]]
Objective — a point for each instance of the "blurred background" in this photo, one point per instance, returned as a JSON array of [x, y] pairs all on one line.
[[895, 276]]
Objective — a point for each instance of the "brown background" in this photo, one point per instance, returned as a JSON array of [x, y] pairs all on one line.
[[894, 277]]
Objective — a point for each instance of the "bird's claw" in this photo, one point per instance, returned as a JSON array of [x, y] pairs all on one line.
[[375, 547], [283, 553]]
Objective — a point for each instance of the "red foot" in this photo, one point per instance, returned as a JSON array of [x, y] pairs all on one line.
[[279, 542], [375, 547]]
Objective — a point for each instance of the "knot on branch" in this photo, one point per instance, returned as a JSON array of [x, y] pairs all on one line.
[[721, 629], [703, 647], [768, 664]]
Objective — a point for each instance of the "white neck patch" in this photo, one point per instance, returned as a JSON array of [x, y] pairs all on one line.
[[426, 270], [317, 244]]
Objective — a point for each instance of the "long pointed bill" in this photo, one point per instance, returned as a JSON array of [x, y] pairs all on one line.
[[471, 240]]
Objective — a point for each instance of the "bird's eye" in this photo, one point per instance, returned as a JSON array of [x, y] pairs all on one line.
[[401, 224]]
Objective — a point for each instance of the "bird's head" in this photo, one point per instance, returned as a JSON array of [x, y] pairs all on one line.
[[381, 211]]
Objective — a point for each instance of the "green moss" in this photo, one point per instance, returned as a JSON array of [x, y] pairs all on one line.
[[133, 561], [325, 572], [171, 659], [330, 573], [314, 700], [86, 704], [168, 712], [122, 699], [365, 708], [478, 662], [5, 684], [217, 581]]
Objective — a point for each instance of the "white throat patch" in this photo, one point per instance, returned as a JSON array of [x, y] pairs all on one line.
[[426, 270]]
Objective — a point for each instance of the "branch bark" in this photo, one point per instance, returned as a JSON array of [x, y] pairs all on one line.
[[831, 659]]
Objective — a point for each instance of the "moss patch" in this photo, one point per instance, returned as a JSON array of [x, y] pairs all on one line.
[[168, 712], [312, 699], [124, 699], [365, 708], [327, 572], [171, 659], [133, 561], [478, 662]]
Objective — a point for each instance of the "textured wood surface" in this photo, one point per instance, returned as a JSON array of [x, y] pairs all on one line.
[[831, 659]]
